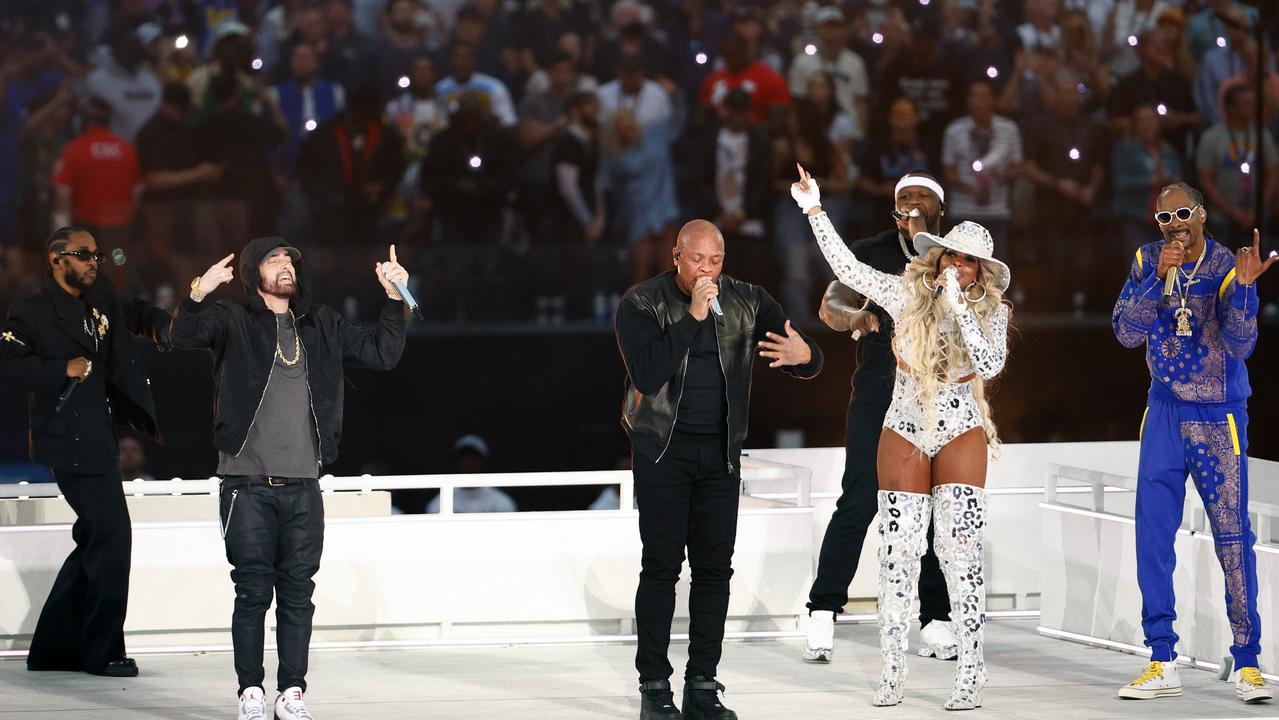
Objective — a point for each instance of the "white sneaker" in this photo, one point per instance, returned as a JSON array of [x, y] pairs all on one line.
[[289, 706], [1250, 687], [1159, 680], [938, 640], [252, 704], [819, 646]]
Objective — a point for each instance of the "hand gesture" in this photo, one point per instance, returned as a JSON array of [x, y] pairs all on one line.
[[1248, 262], [219, 274], [789, 350], [704, 290], [1172, 256], [79, 368], [805, 191], [391, 272]]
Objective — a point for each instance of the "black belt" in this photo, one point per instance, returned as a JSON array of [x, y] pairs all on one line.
[[268, 480]]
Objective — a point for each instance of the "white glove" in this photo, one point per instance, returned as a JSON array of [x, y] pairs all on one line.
[[806, 199], [951, 293]]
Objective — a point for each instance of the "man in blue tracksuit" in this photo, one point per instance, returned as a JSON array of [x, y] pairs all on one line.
[[1196, 424]]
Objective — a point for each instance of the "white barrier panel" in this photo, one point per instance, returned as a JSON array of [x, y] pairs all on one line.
[[1015, 482], [1089, 574], [414, 578]]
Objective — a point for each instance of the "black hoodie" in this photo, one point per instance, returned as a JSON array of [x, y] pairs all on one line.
[[242, 337]]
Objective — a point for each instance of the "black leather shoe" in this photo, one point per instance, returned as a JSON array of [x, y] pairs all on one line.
[[657, 702], [124, 667], [701, 700]]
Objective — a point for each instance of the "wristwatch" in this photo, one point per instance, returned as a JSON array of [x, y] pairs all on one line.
[[196, 295]]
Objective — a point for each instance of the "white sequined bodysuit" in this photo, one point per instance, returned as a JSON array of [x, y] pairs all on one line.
[[955, 410]]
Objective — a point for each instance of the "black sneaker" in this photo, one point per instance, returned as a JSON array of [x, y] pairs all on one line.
[[701, 700], [657, 702]]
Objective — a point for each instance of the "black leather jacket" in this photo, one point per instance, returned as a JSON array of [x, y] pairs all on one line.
[[654, 332]]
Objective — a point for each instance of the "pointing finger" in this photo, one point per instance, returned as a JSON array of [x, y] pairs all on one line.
[[393, 253], [226, 260]]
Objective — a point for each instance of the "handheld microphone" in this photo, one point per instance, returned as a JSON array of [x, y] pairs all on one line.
[[1169, 285], [409, 301], [66, 393], [937, 290], [715, 308], [1170, 282]]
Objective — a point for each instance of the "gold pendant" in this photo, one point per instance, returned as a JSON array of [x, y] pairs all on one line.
[[1183, 314]]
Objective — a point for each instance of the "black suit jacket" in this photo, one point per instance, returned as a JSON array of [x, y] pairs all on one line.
[[45, 331]]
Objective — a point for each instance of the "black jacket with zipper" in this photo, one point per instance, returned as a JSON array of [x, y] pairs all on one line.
[[654, 333], [243, 335]]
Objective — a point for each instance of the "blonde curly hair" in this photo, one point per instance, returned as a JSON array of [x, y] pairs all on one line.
[[928, 353]]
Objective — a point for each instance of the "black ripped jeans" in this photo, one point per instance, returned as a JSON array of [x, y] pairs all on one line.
[[274, 535]]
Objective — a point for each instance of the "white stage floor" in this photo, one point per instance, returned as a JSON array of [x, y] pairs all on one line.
[[1031, 677]]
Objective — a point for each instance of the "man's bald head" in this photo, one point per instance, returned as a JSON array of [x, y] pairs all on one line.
[[698, 252], [696, 229]]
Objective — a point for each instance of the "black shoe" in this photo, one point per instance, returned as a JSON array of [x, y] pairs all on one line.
[[701, 700], [657, 702], [124, 667]]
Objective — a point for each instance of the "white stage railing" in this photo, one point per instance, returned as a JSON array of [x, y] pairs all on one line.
[[1090, 592]]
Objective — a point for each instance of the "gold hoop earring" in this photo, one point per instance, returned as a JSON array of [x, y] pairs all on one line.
[[968, 292], [927, 282]]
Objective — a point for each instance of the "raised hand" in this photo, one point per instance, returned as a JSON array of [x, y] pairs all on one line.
[[788, 350], [391, 272], [218, 274], [1248, 263], [805, 192]]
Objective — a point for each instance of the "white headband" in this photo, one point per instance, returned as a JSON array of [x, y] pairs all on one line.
[[920, 181]]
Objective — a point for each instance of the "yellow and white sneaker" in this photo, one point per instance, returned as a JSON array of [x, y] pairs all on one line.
[[1250, 687], [1159, 680]]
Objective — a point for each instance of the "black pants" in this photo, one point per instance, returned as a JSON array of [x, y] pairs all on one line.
[[687, 500], [274, 537], [854, 512], [82, 624]]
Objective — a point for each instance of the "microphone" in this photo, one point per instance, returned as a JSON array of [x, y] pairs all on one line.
[[66, 393], [117, 256], [1170, 282], [937, 290], [715, 308], [409, 301], [1169, 285]]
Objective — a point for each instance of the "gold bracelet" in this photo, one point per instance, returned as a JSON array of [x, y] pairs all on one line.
[[196, 295]]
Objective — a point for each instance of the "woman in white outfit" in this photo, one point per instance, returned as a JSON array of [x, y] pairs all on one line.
[[950, 336]]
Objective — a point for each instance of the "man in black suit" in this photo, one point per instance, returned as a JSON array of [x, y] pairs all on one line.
[[75, 335]]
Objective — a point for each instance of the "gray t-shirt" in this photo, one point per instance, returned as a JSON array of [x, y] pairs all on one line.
[[1222, 153], [282, 440]]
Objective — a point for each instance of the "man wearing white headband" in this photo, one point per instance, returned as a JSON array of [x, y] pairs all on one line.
[[920, 201]]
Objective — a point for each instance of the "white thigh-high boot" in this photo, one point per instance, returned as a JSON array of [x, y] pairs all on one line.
[[903, 537], [959, 514]]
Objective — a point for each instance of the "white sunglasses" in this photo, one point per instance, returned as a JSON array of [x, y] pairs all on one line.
[[1163, 217]]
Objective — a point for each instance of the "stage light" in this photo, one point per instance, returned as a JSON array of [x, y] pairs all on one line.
[[992, 72], [181, 42]]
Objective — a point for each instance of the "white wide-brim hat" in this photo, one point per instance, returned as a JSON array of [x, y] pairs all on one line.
[[971, 239]]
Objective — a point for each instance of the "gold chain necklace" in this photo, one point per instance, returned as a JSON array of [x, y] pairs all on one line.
[[297, 343], [1183, 314]]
